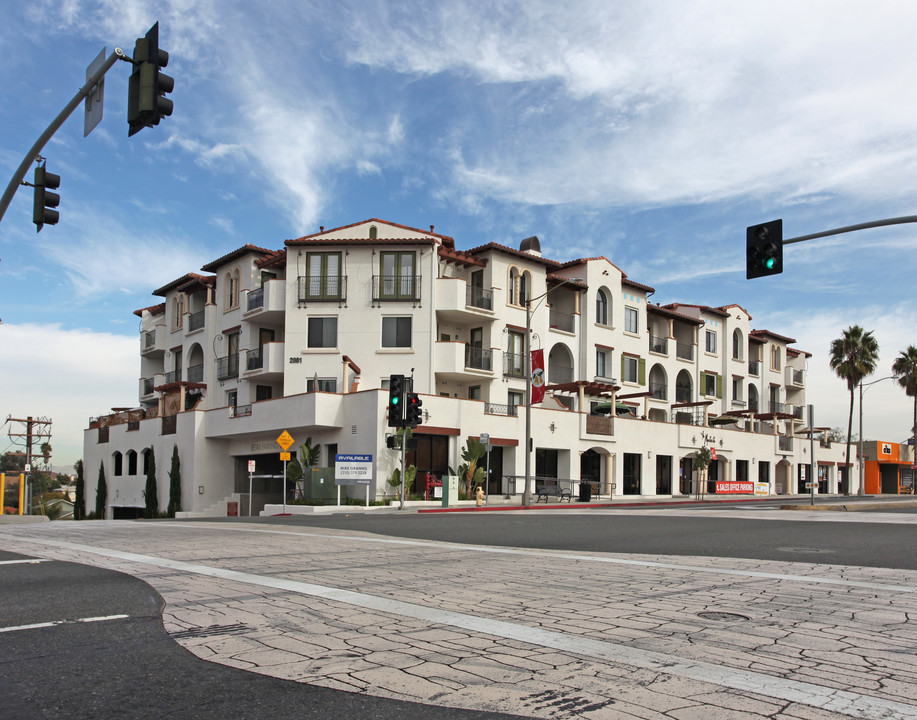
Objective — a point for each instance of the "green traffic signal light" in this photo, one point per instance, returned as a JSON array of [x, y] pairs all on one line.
[[764, 249]]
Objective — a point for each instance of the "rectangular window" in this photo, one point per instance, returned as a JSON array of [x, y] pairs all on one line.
[[514, 400], [630, 320], [396, 332], [737, 384], [323, 280], [713, 386], [601, 363], [474, 392], [711, 341], [630, 365], [323, 332], [515, 354], [397, 277], [323, 385]]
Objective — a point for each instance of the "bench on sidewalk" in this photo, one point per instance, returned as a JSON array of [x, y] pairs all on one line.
[[546, 491]]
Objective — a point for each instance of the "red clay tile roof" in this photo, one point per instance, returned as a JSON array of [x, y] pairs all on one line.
[[153, 310], [248, 248], [322, 231]]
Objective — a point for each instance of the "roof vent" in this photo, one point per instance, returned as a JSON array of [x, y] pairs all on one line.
[[531, 246]]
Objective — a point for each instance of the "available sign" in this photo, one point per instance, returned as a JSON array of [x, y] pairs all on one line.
[[353, 469], [734, 487]]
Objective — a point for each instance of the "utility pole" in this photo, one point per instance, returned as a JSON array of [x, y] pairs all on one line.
[[29, 433]]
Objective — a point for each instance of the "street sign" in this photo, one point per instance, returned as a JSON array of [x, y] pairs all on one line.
[[285, 440], [285, 457], [93, 105], [251, 466]]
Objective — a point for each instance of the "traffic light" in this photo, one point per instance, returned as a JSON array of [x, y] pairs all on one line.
[[148, 85], [42, 214], [412, 414], [764, 249], [396, 401]]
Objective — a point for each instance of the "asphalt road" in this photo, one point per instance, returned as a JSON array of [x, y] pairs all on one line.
[[861, 542], [128, 667]]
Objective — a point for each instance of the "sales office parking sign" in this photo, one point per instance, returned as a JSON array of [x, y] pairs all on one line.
[[353, 469]]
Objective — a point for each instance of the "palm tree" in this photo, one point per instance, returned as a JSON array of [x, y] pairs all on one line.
[[905, 369], [854, 355]]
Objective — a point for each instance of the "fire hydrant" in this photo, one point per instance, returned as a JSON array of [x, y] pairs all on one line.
[[479, 496]]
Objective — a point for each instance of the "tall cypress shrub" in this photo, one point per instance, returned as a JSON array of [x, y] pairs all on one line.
[[79, 501], [101, 494], [150, 493], [174, 484]]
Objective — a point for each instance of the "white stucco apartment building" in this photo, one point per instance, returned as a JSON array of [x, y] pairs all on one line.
[[304, 339]]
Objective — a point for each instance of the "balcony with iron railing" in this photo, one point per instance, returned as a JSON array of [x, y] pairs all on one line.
[[146, 387], [658, 391], [173, 376], [255, 300], [684, 351], [196, 321], [152, 342], [497, 409], [513, 365], [754, 368], [478, 358], [682, 394], [228, 367], [796, 378], [659, 345], [396, 288], [479, 297], [321, 288], [196, 373], [562, 321], [776, 407]]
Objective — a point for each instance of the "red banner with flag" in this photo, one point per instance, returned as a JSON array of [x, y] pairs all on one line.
[[538, 381]]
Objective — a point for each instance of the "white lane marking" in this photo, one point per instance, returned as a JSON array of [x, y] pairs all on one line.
[[54, 623], [30, 561], [854, 704]]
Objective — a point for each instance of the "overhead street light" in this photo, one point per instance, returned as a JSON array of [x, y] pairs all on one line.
[[527, 492], [862, 489]]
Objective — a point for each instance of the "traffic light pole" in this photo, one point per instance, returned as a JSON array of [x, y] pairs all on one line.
[[854, 228], [33, 152]]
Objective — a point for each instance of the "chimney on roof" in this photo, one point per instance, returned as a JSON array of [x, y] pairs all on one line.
[[531, 246], [431, 228], [321, 228]]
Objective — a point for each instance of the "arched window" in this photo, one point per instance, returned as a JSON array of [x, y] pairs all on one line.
[[513, 297], [737, 353], [373, 232], [601, 308], [231, 291], [117, 462], [146, 460], [525, 287], [131, 462]]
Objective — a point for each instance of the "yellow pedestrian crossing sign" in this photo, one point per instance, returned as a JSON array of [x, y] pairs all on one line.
[[285, 440]]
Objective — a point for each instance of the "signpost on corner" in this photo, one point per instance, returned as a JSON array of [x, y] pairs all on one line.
[[286, 442], [251, 473]]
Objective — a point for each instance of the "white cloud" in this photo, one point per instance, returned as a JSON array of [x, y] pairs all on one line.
[[888, 413], [66, 375]]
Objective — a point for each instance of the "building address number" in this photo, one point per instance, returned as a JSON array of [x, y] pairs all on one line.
[[294, 360]]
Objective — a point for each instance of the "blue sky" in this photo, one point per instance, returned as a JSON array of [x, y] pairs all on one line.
[[651, 133]]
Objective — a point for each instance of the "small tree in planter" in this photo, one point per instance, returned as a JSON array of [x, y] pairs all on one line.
[[174, 484], [701, 462], [296, 467], [150, 492]]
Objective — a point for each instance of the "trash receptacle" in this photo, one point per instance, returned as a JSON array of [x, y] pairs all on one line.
[[585, 492]]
